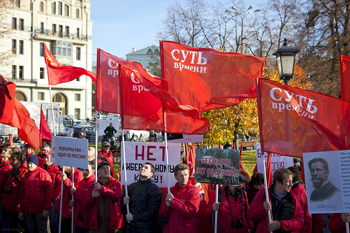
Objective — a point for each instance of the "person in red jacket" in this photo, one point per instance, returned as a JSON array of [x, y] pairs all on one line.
[[287, 214], [66, 222], [36, 197], [29, 150], [181, 205], [12, 190], [82, 215], [106, 153], [337, 222], [5, 170], [233, 209], [55, 174], [103, 200], [299, 191], [44, 149]]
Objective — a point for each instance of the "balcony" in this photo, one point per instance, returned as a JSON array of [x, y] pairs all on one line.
[[48, 34]]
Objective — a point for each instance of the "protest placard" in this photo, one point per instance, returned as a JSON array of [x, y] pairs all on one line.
[[217, 166], [71, 152], [327, 179], [277, 161], [137, 153]]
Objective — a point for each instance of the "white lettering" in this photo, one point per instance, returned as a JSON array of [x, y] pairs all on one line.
[[173, 54], [184, 55], [200, 59], [112, 64], [309, 106], [203, 69], [272, 93], [274, 105], [288, 107], [288, 95], [300, 99], [280, 107], [134, 87], [193, 54], [133, 78]]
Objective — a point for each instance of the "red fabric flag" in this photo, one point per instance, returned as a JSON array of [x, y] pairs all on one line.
[[345, 77], [268, 170], [206, 78], [7, 100], [45, 132], [140, 108], [192, 163], [58, 73], [294, 121]]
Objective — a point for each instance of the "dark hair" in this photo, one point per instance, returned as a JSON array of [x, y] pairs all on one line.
[[296, 174], [257, 178], [9, 148], [153, 170], [296, 160], [92, 164], [227, 145], [46, 145], [180, 167], [21, 156], [278, 175], [323, 161]]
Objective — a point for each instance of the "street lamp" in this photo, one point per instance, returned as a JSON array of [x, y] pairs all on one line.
[[242, 15], [285, 61]]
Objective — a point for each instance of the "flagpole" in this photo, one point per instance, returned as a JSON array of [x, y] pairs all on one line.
[[216, 212], [124, 165], [96, 139], [72, 227], [266, 188], [166, 152], [60, 220], [347, 227], [52, 116]]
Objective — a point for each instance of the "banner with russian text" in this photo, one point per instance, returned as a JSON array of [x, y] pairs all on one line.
[[140, 152], [216, 166], [206, 78], [71, 152], [294, 121]]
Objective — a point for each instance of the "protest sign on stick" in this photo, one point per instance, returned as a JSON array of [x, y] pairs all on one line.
[[71, 152]]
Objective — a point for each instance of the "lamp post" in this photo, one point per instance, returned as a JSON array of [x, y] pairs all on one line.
[[285, 61], [242, 15]]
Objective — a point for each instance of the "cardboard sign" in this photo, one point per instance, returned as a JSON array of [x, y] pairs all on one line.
[[137, 153], [327, 179], [216, 166], [277, 161], [103, 124], [70, 152]]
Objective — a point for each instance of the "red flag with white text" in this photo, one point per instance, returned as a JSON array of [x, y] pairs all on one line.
[[345, 77], [58, 73], [206, 78], [294, 121]]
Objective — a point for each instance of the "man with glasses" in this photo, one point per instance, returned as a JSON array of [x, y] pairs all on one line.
[[107, 154]]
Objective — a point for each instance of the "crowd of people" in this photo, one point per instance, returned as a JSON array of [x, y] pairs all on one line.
[[31, 197]]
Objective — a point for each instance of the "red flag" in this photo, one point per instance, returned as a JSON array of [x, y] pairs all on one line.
[[345, 77], [206, 78], [58, 73], [268, 170], [294, 121], [192, 163], [141, 109], [45, 132], [7, 100]]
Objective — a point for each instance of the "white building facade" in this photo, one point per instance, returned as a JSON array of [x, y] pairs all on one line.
[[65, 27]]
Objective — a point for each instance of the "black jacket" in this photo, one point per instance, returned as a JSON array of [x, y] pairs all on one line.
[[145, 198], [110, 131]]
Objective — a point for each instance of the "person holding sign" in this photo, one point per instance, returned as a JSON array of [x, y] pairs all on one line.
[[287, 214], [233, 209], [103, 200], [144, 201], [337, 222], [181, 205]]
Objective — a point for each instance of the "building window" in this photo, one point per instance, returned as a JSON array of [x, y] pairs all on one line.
[[20, 96], [77, 97], [20, 72], [42, 27], [78, 32], [41, 49], [78, 79], [54, 29], [18, 3], [60, 8], [21, 24], [77, 113], [156, 52], [14, 46], [42, 70], [77, 14], [14, 72], [41, 7], [66, 10], [78, 53], [14, 23], [21, 47], [67, 31], [60, 31], [41, 96], [149, 52], [53, 8]]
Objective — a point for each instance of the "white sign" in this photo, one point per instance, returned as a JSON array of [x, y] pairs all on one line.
[[103, 124], [137, 153], [187, 138], [327, 178], [71, 152], [277, 161]]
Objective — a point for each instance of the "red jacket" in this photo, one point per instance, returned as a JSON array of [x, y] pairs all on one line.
[[55, 174], [67, 197], [238, 211], [300, 194], [183, 215], [109, 158], [81, 215], [257, 213], [40, 160], [5, 171], [11, 200], [317, 223], [114, 193], [336, 224], [36, 192]]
